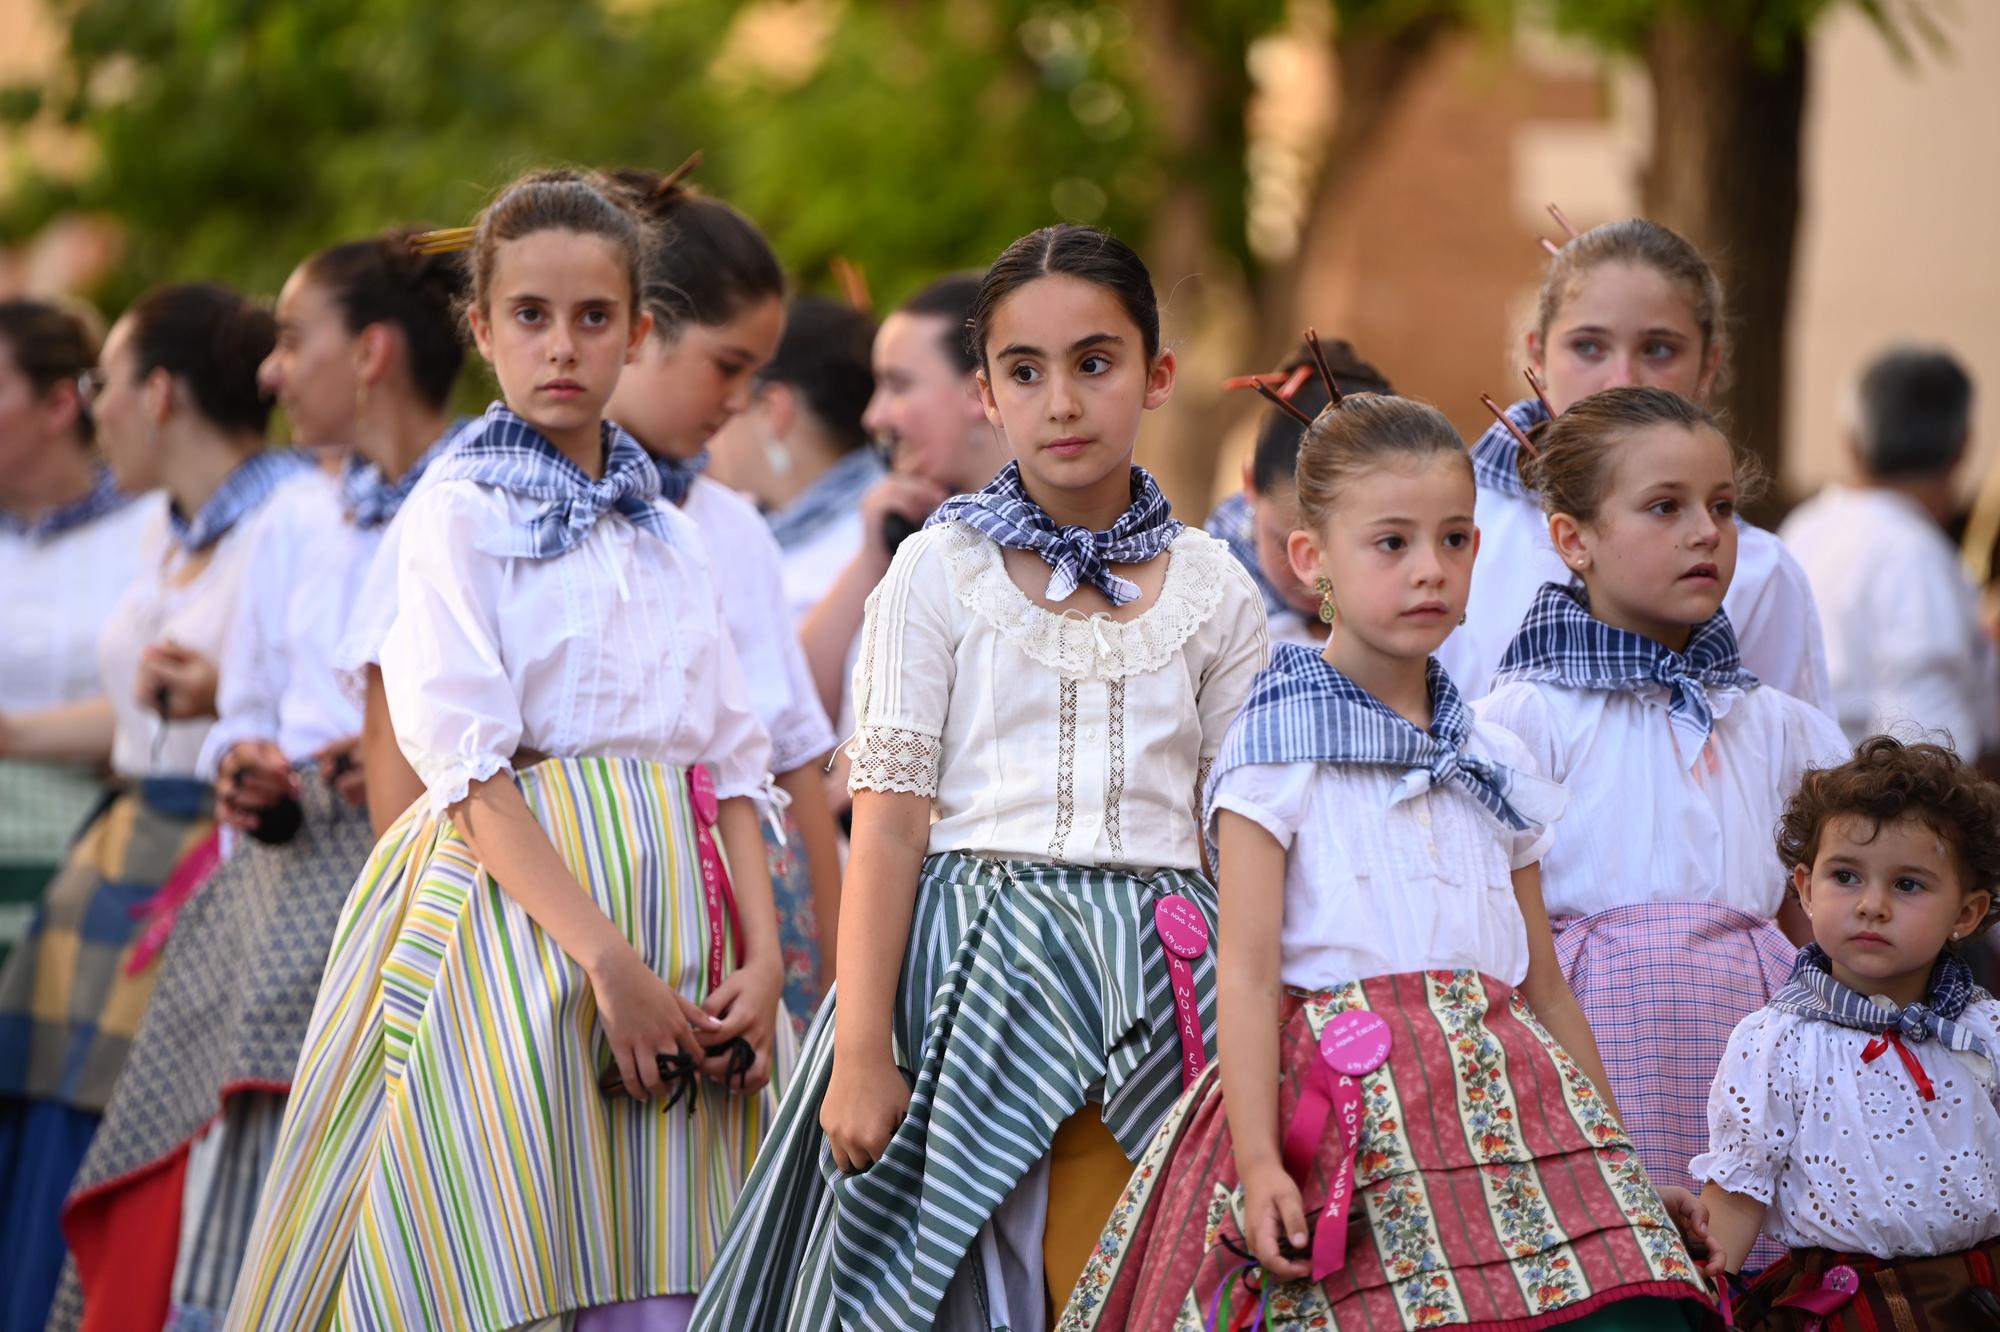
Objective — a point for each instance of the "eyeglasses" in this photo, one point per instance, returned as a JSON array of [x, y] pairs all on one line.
[[90, 384]]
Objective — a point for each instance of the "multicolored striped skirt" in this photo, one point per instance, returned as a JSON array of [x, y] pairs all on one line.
[[1495, 1188], [228, 1015], [447, 1159], [1027, 990], [1953, 1292]]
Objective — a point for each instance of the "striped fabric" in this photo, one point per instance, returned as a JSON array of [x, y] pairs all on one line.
[[369, 501], [1814, 993], [1561, 641], [1025, 986], [239, 495], [1303, 710], [1493, 1187], [835, 495], [1950, 1292], [225, 1175], [447, 1159], [104, 498], [1234, 524], [504, 451], [677, 475], [1005, 512], [1496, 454]]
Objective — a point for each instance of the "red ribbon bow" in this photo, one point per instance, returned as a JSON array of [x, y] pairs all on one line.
[[1880, 1046]]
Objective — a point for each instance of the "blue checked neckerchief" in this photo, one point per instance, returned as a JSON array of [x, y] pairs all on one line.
[[677, 475], [504, 451], [1235, 526], [237, 497], [1496, 454], [1075, 555], [1561, 642], [104, 498], [1302, 710], [369, 501], [1814, 993], [835, 495]]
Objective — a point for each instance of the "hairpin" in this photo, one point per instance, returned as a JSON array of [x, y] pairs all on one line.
[[678, 174], [1549, 245], [1284, 404], [443, 241], [1512, 429], [1563, 222], [1325, 371], [1288, 384], [1541, 393], [853, 283]]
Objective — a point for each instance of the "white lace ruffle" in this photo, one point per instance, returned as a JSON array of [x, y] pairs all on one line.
[[1091, 647], [454, 782], [888, 758]]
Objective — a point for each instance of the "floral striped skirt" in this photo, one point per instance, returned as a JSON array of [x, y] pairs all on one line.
[[447, 1159], [1494, 1188], [1027, 989]]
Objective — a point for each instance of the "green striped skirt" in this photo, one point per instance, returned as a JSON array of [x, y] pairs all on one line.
[[447, 1160], [1027, 989]]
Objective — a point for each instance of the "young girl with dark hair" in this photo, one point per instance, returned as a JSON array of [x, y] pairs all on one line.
[[1626, 303], [179, 408], [717, 301], [1044, 674], [584, 869], [1627, 686], [367, 353], [69, 546], [1410, 1126]]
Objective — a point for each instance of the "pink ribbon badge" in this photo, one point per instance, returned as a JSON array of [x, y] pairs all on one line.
[[1352, 1045], [1185, 935], [721, 898], [1836, 1290]]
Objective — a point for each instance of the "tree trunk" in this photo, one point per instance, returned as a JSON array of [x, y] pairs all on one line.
[[1725, 173]]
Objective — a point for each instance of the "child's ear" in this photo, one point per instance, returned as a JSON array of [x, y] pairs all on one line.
[[987, 401], [1572, 543], [1160, 381], [1802, 885], [1302, 552], [635, 340], [1970, 912], [482, 334]]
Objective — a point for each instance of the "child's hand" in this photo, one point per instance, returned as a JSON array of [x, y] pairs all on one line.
[[1274, 1219], [746, 1005], [865, 1103], [644, 1018], [1690, 1216]]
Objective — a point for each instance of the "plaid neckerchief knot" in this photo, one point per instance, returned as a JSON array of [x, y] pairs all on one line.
[[1075, 555], [504, 451], [1496, 454], [370, 501], [1560, 641], [677, 475], [1814, 993], [104, 498], [239, 495], [1302, 710]]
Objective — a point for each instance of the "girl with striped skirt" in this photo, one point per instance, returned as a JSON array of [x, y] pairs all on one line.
[[1043, 673], [1627, 686], [1629, 302], [179, 408], [1410, 1127], [536, 1071], [368, 351], [717, 298]]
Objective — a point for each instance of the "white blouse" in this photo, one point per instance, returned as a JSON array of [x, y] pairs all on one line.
[[1770, 603], [748, 575], [59, 592], [1847, 1155], [1645, 824], [1376, 886], [278, 680], [186, 599], [614, 648], [811, 567], [1048, 736]]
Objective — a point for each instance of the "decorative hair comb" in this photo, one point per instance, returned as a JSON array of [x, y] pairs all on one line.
[[1562, 221], [443, 241], [853, 283], [678, 174], [1519, 434], [1541, 392], [1325, 371]]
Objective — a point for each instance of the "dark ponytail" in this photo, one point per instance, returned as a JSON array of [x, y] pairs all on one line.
[[708, 262], [212, 339], [382, 281], [824, 358]]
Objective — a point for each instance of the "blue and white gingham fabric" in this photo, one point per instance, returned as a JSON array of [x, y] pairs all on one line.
[[1814, 993], [237, 497], [369, 501], [504, 451], [1561, 642], [104, 498], [677, 475], [1075, 555], [1496, 454], [1302, 710]]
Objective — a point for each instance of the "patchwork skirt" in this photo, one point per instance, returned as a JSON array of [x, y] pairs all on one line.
[[1027, 989], [447, 1158], [227, 1018], [1954, 1292], [1493, 1188]]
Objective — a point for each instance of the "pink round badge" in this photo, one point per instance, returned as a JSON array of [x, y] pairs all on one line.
[[1355, 1042], [1841, 1280], [1181, 927], [701, 790]]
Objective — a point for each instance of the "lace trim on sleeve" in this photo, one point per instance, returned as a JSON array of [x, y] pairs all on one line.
[[452, 781], [888, 758]]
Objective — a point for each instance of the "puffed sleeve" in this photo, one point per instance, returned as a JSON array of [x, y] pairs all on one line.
[[250, 672], [903, 675], [1245, 650], [1753, 1118], [456, 712], [1271, 795], [1538, 799], [738, 753], [1520, 709]]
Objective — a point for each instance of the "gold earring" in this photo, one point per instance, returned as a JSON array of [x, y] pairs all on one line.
[[1461, 617], [1328, 612]]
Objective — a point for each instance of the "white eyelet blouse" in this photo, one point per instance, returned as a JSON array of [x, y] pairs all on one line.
[[1847, 1155], [1047, 736]]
